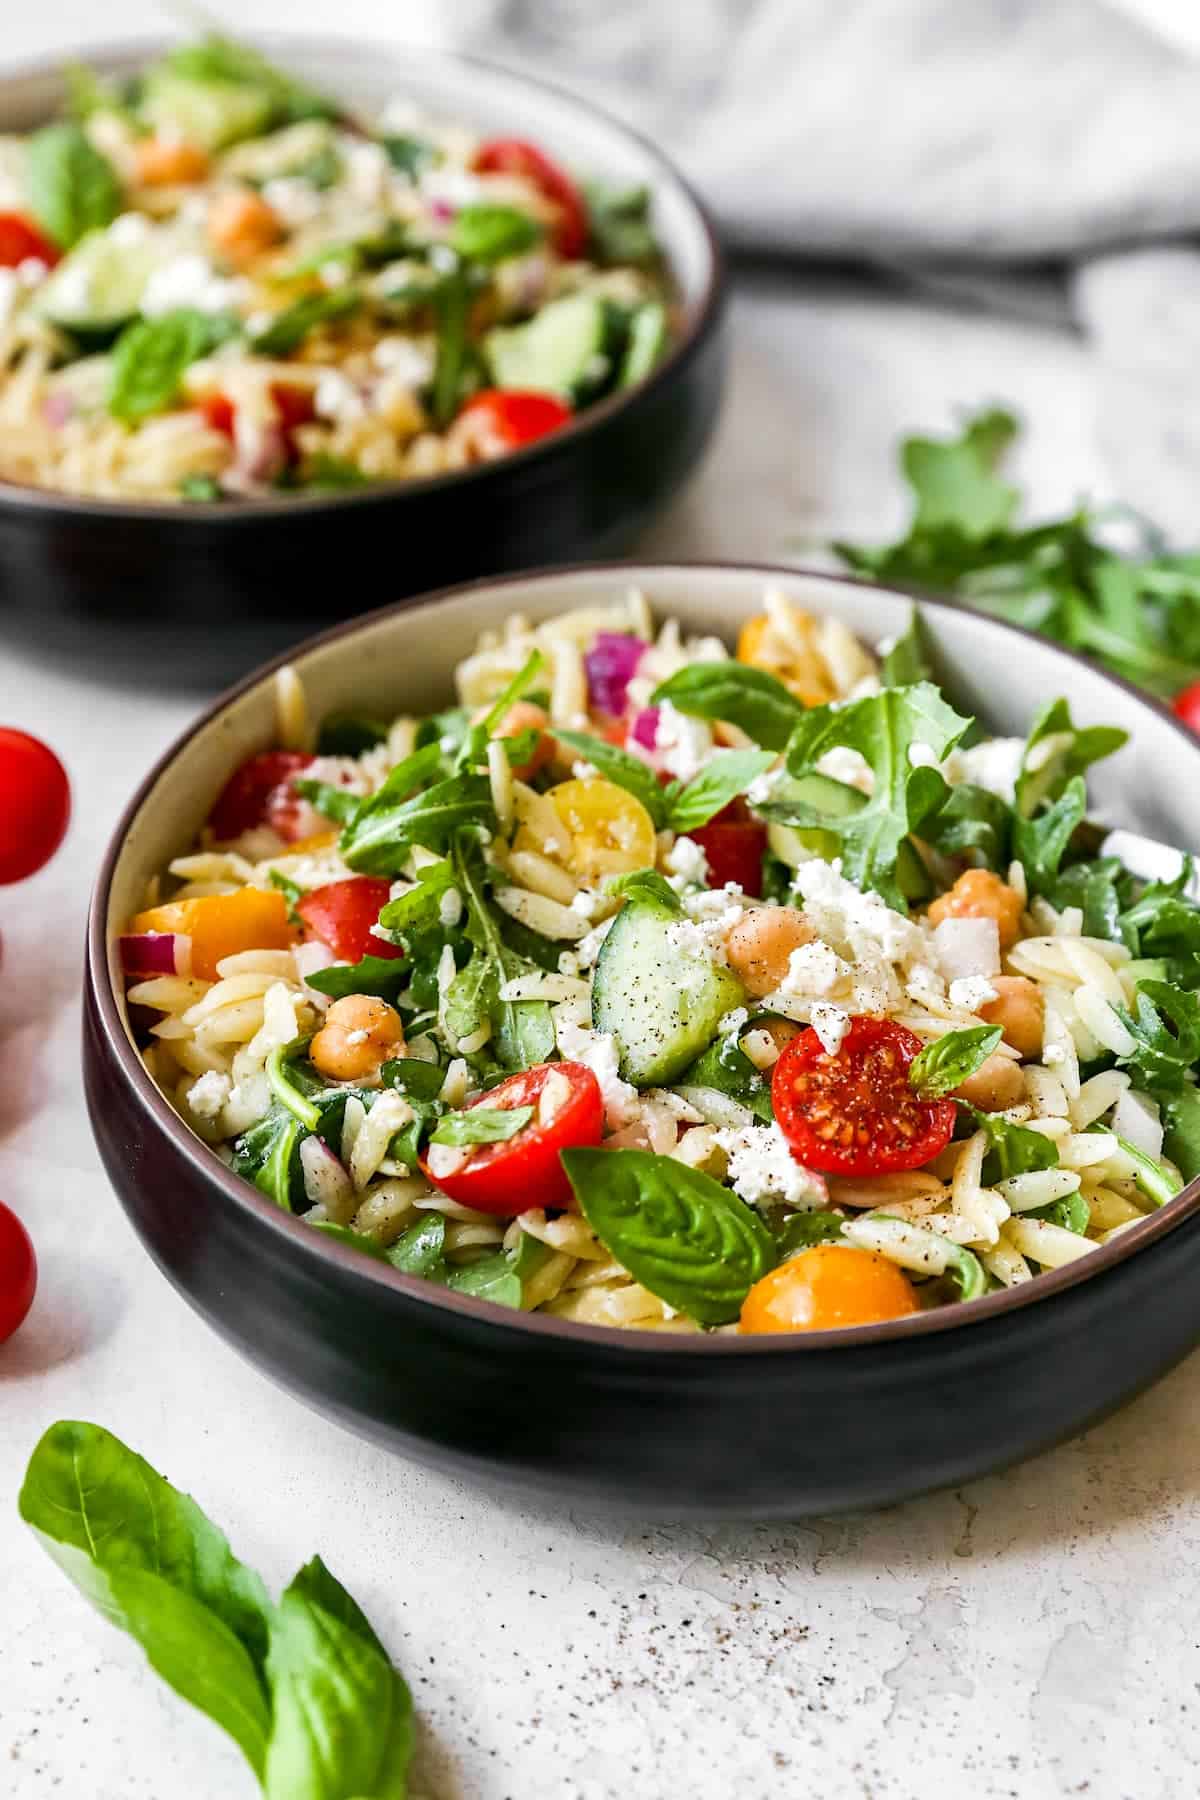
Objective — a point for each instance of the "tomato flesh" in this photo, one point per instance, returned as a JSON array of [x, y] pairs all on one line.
[[35, 804], [516, 156], [294, 405], [1186, 706], [518, 416], [21, 241], [18, 1272], [854, 1113], [342, 913], [734, 845], [261, 793], [525, 1172]]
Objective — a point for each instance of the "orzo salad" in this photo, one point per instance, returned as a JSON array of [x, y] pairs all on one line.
[[216, 283], [651, 985]]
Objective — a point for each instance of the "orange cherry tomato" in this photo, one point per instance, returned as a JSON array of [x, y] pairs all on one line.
[[524, 1172], [20, 241], [516, 156], [827, 1286], [854, 1113], [342, 913], [222, 925], [517, 417], [35, 804]]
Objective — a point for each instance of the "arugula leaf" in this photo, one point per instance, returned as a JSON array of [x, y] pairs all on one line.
[[289, 328], [331, 802], [646, 886], [1165, 1027], [1040, 843], [501, 1278], [623, 768], [1075, 750], [409, 155], [382, 976], [152, 354], [946, 1062], [909, 660], [472, 748], [726, 775], [350, 734], [324, 474], [421, 1250], [482, 1125], [522, 1030], [680, 1233], [619, 229], [883, 728], [1155, 1181], [488, 233], [972, 819], [1093, 888], [354, 1240], [1162, 921], [1181, 1140], [421, 906], [200, 489], [72, 188], [280, 1075], [147, 1558], [726, 1067], [385, 826], [291, 891], [450, 298], [268, 1154], [1012, 1149], [736, 694], [1070, 1211], [220, 59]]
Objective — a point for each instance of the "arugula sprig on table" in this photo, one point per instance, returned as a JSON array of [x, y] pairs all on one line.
[[1138, 615], [303, 1684]]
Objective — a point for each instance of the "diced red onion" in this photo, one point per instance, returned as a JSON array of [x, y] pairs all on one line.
[[610, 665], [326, 1182], [644, 730], [441, 210], [156, 953], [58, 407], [1136, 1118]]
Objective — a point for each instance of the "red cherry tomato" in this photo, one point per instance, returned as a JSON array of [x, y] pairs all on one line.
[[1186, 706], [18, 1272], [20, 240], [517, 417], [514, 156], [734, 845], [294, 405], [261, 793], [35, 804], [525, 1172], [854, 1113], [219, 414], [342, 913]]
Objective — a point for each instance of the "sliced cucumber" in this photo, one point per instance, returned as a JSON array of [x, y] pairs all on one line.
[[661, 1001], [646, 343], [98, 288], [1148, 968], [794, 844], [566, 349], [209, 113]]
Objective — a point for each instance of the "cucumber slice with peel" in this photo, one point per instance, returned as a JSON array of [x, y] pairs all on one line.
[[661, 1000]]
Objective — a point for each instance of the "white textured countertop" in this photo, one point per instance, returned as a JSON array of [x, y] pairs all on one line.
[[1032, 1635]]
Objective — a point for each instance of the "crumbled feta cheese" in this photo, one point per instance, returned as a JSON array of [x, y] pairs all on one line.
[[9, 288], [814, 970], [407, 361], [588, 904], [357, 1037], [683, 743], [993, 765], [597, 1051], [733, 1021], [831, 1024], [690, 936], [588, 948], [924, 985], [296, 201], [971, 992], [965, 947], [129, 229], [188, 280], [584, 771], [337, 398], [686, 859], [568, 962], [367, 170], [208, 1094], [762, 1167], [1053, 1054], [847, 765], [859, 925], [762, 787]]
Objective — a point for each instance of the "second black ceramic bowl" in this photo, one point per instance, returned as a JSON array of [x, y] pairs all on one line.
[[199, 594], [670, 1426]]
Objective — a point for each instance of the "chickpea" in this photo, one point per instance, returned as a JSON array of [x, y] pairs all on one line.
[[358, 1035], [1019, 1010], [995, 1086], [760, 945], [978, 894], [167, 162], [781, 1032], [521, 716], [241, 225]]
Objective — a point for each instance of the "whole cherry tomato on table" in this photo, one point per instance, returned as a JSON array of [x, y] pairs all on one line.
[[260, 792], [523, 1172], [21, 241], [855, 1112], [516, 417], [35, 804], [516, 156], [18, 1272], [1186, 706], [342, 913]]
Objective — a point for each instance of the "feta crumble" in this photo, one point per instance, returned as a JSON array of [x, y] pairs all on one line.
[[208, 1094], [686, 860], [684, 744], [762, 1167], [971, 992], [831, 1024], [597, 1051]]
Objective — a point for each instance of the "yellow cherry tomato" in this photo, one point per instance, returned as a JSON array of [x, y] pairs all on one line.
[[827, 1286], [607, 831]]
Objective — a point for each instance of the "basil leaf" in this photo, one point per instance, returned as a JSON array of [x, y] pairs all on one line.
[[1165, 1027], [736, 694], [331, 802], [1070, 1211], [883, 728], [421, 1250], [1181, 1141], [948, 1061], [289, 328], [1039, 844], [151, 356], [726, 1067], [342, 1723], [647, 887], [147, 1558], [491, 1278], [804, 1229], [623, 768], [488, 233], [482, 1125], [909, 660], [680, 1233], [268, 1154], [72, 188], [219, 59], [1079, 749], [725, 776], [1012, 1149], [382, 976], [415, 1079]]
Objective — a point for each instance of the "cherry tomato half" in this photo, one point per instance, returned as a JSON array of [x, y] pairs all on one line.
[[516, 416], [1186, 706], [515, 156], [21, 240], [734, 845], [342, 913], [827, 1286], [18, 1272], [295, 406], [35, 804], [261, 793], [525, 1172], [854, 1113]]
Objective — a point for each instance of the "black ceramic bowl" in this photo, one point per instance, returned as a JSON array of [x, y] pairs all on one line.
[[672, 1426], [201, 593]]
